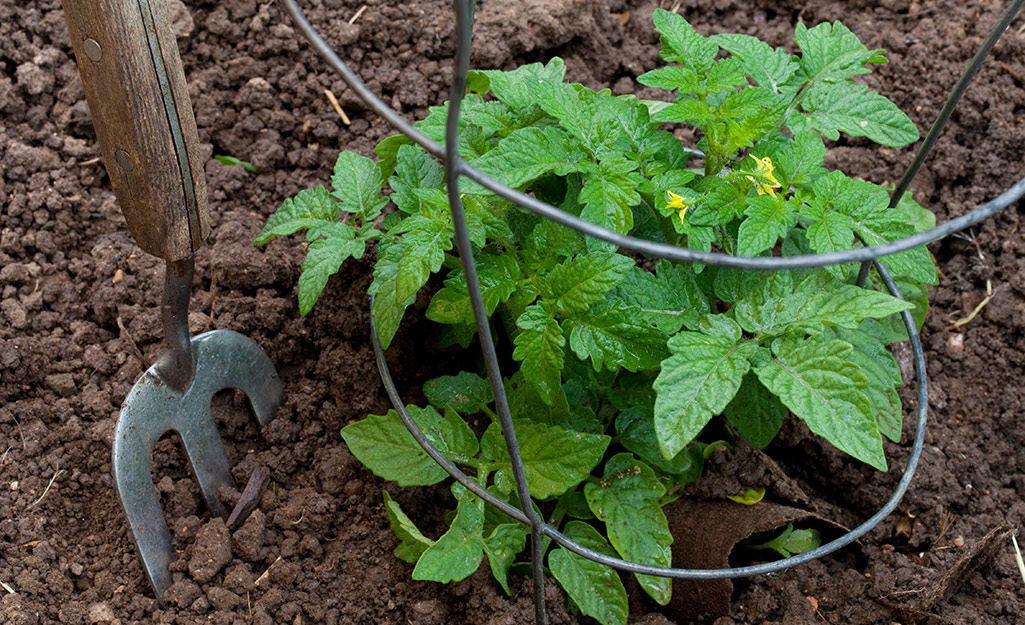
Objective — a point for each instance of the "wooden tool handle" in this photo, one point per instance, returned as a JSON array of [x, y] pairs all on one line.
[[135, 85]]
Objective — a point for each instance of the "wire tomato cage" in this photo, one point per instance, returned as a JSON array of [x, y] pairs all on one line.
[[868, 257]]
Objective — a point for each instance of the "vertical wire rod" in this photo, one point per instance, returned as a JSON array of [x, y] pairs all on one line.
[[454, 166], [955, 96], [946, 111]]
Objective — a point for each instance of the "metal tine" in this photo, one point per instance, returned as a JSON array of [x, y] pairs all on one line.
[[174, 396]]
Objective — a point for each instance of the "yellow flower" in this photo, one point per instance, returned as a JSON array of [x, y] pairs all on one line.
[[765, 168], [677, 201]]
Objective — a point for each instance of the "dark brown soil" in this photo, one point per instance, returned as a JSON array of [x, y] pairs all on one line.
[[79, 323]]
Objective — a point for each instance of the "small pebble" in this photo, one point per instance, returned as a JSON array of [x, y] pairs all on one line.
[[100, 613], [354, 487]]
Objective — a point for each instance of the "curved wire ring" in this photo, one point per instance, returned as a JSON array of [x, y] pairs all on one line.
[[457, 166], [633, 567]]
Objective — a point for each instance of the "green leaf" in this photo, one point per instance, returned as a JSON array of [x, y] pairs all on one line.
[[817, 381], [682, 44], [548, 244], [832, 53], [235, 161], [769, 218], [387, 151], [859, 112], [867, 205], [778, 307], [589, 117], [414, 169], [310, 208], [459, 551], [465, 392], [609, 193], [791, 541], [517, 87], [693, 112], [799, 160], [576, 506], [554, 459], [633, 123], [595, 588], [725, 75], [384, 445], [526, 155], [403, 267], [750, 497], [720, 204], [525, 402], [750, 114], [918, 216], [890, 225], [884, 378], [730, 284], [501, 547], [540, 347], [411, 542], [636, 432], [627, 500], [769, 67], [357, 184], [498, 277], [671, 78], [611, 338], [324, 257], [829, 230], [755, 412], [668, 298], [844, 306], [492, 117], [698, 380], [892, 329], [583, 281]]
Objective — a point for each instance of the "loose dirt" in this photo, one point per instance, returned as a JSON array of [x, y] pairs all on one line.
[[79, 324]]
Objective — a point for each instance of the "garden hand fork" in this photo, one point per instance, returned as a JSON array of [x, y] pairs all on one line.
[[135, 85]]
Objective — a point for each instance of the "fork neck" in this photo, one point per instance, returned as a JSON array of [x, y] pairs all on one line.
[[176, 365]]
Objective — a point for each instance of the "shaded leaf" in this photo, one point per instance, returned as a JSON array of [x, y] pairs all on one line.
[[555, 459], [501, 546], [459, 551], [595, 588], [411, 542], [698, 380], [384, 445], [627, 500], [540, 348], [465, 392], [817, 381]]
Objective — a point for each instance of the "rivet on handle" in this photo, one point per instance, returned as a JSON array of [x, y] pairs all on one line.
[[92, 50], [124, 161]]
